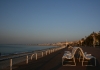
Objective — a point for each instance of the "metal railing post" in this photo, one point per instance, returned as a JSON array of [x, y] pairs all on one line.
[[49, 51], [36, 56], [10, 64], [46, 52], [32, 56], [27, 59], [42, 54]]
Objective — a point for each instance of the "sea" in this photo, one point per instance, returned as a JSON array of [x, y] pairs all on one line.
[[17, 49]]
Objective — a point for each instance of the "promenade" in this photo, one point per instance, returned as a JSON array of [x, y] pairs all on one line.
[[53, 61]]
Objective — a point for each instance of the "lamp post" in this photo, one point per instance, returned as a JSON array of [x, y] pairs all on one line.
[[93, 40], [85, 41]]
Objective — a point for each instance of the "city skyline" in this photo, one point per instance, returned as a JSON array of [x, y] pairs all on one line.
[[47, 21]]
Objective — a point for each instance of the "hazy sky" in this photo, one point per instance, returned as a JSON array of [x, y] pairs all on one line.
[[47, 21]]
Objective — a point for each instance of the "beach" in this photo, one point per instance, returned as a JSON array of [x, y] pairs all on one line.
[[53, 61]]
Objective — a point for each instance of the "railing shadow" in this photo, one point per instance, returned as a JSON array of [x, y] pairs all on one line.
[[92, 62]]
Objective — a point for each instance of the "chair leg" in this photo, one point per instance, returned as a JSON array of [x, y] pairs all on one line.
[[62, 61], [95, 61], [74, 61], [82, 61], [86, 61]]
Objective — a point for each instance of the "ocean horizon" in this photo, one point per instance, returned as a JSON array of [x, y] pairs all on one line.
[[16, 49]]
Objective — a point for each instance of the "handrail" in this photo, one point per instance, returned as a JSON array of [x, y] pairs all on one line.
[[27, 56]]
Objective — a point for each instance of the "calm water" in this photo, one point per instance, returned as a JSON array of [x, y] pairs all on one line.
[[10, 49]]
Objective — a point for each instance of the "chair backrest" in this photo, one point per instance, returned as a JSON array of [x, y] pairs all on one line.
[[74, 51], [82, 53]]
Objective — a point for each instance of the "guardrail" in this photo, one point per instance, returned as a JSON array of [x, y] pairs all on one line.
[[15, 59]]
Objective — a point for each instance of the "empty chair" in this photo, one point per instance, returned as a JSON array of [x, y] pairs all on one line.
[[68, 56], [86, 57]]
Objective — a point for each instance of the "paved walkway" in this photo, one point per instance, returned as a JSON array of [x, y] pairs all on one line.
[[53, 61]]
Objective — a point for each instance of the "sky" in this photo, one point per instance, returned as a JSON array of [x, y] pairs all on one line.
[[47, 21]]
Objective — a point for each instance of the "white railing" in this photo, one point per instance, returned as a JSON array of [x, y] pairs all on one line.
[[15, 59]]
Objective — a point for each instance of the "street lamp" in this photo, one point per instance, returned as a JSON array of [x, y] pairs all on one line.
[[93, 40]]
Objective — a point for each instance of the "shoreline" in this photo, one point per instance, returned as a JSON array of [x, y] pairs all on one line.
[[17, 58], [23, 53], [2, 54]]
